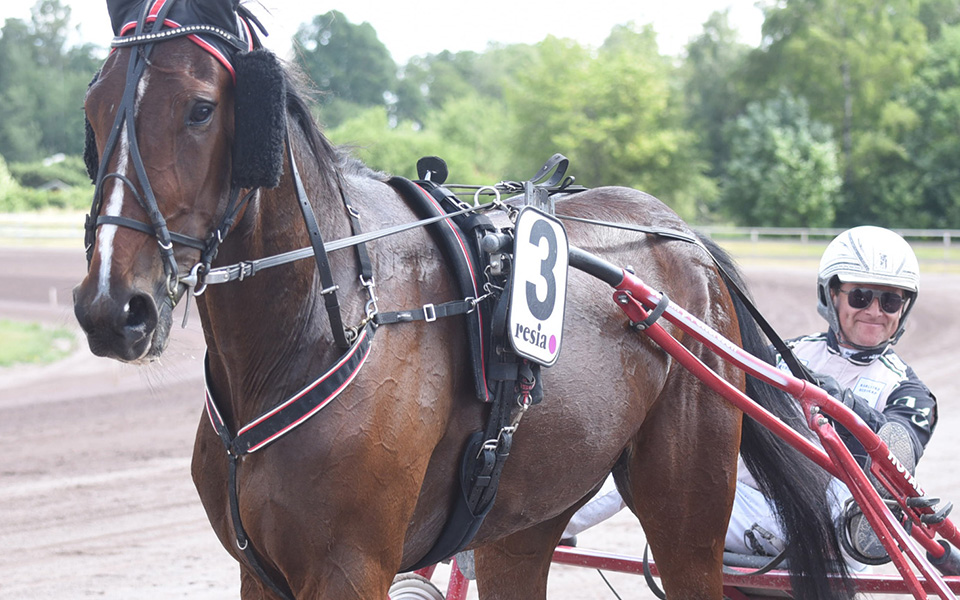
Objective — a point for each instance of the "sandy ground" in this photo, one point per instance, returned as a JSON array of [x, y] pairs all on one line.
[[96, 499]]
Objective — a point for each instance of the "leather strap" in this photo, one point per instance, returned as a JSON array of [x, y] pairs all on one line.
[[428, 313], [327, 286]]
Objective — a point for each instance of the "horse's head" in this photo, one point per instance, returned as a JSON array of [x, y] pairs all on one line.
[[184, 124]]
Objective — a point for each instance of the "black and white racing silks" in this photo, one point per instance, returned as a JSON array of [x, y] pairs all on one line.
[[890, 388]]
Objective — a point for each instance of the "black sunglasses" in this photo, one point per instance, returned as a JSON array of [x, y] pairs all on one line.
[[890, 302]]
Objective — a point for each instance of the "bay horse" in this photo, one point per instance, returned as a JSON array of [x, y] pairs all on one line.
[[361, 491]]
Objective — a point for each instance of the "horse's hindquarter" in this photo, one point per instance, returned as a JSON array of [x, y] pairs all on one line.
[[608, 378]]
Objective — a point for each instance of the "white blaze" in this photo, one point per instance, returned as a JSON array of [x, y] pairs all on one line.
[[114, 202]]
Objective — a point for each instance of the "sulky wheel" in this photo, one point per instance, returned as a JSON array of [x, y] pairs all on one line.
[[410, 586]]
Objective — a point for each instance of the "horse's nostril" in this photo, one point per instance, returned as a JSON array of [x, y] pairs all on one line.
[[139, 312]]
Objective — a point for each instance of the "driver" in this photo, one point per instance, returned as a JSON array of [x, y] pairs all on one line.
[[867, 286]]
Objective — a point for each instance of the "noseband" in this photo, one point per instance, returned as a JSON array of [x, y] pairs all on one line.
[[143, 39]]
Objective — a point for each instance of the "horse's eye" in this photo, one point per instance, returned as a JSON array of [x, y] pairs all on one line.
[[200, 113]]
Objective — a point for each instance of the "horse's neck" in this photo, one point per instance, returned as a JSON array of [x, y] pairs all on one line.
[[270, 334]]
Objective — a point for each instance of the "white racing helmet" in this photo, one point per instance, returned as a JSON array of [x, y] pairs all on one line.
[[870, 255]]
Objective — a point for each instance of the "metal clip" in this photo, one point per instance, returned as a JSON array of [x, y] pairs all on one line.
[[371, 308]]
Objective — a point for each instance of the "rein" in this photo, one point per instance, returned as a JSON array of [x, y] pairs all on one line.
[[249, 268]]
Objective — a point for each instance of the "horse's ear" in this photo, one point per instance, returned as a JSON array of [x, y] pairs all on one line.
[[259, 120], [90, 156]]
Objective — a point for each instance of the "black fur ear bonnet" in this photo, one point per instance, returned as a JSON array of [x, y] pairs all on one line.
[[259, 120]]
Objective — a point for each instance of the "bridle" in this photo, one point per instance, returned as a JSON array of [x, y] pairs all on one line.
[[150, 30]]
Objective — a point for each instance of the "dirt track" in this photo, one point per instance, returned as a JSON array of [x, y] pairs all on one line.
[[96, 498]]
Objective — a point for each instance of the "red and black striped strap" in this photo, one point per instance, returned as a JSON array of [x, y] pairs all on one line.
[[288, 415]]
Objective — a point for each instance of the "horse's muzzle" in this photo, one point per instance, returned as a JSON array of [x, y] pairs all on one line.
[[120, 325]]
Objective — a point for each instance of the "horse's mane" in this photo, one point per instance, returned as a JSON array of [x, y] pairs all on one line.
[[333, 160]]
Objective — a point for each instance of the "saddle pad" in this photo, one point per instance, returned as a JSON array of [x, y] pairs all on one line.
[[461, 253]]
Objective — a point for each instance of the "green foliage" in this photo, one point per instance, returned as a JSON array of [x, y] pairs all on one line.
[[8, 185], [713, 87], [933, 143], [617, 115], [936, 14], [864, 90], [22, 199], [71, 171], [15, 197], [783, 168], [465, 144], [346, 61], [848, 55], [32, 343], [42, 85]]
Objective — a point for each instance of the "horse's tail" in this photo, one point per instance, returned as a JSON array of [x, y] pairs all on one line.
[[795, 485]]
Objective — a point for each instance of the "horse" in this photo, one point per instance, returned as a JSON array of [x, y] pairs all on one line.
[[362, 489]]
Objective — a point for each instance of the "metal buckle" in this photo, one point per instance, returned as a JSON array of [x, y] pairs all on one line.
[[246, 270], [429, 313]]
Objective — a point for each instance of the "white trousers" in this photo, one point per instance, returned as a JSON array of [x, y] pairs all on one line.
[[601, 507], [753, 528]]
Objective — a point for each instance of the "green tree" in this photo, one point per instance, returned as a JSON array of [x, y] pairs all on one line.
[[846, 56], [42, 85], [618, 115], [428, 82], [936, 14], [345, 61], [933, 144], [436, 78], [713, 88], [783, 168]]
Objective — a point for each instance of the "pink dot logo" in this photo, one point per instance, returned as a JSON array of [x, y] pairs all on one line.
[[553, 344]]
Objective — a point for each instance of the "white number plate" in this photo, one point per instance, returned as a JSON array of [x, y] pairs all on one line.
[[539, 289]]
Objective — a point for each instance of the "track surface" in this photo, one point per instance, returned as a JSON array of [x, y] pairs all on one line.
[[96, 498]]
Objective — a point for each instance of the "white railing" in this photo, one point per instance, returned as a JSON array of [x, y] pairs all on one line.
[[22, 228], [807, 234]]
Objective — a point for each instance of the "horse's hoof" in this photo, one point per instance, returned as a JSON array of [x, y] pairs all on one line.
[[410, 586]]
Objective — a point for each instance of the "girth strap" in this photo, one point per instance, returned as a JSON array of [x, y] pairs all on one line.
[[428, 313], [243, 542]]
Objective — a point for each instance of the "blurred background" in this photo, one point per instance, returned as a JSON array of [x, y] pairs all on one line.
[[795, 113]]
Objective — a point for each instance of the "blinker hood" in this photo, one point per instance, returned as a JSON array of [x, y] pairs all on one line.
[[225, 15]]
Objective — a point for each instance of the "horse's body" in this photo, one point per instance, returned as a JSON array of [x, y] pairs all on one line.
[[362, 490]]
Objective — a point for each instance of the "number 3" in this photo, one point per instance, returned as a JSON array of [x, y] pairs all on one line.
[[543, 309]]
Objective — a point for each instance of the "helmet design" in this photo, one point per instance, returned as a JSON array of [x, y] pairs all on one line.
[[870, 255]]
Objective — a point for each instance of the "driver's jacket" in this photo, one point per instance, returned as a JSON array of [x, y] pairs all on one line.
[[888, 385], [882, 379]]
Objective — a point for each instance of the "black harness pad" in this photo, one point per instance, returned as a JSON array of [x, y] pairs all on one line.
[[460, 247]]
